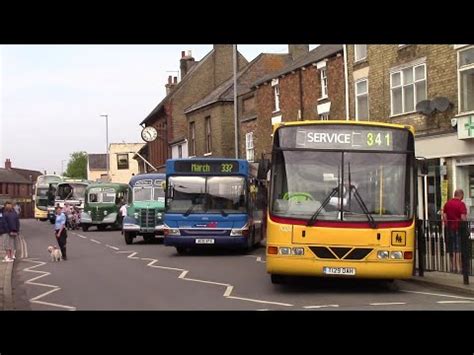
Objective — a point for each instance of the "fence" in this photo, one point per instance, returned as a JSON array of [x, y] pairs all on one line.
[[435, 250]]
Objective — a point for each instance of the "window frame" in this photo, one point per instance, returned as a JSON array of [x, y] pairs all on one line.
[[118, 161], [192, 135], [459, 70], [323, 76], [276, 98], [402, 86], [359, 95], [249, 147], [208, 134], [356, 60]]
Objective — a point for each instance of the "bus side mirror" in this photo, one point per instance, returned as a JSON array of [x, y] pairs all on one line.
[[422, 165], [263, 167], [163, 185]]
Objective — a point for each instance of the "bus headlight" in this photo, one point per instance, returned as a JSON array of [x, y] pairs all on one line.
[[284, 251], [396, 255], [159, 215], [135, 215], [298, 251], [171, 231], [382, 254]]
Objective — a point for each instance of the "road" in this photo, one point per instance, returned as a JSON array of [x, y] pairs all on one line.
[[103, 273]]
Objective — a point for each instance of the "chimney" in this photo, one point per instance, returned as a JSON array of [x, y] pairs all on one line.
[[8, 164], [298, 50], [171, 84], [185, 63]]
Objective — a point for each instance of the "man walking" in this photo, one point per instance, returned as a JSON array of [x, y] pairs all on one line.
[[11, 225], [454, 212]]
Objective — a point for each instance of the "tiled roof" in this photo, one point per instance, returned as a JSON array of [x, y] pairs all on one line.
[[9, 175], [315, 55]]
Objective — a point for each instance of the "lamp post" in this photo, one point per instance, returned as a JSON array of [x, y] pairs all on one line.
[[236, 130], [107, 140]]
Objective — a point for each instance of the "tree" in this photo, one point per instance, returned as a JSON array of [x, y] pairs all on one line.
[[77, 166]]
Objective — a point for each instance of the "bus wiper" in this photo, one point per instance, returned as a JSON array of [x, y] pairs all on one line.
[[188, 211], [363, 206], [324, 204]]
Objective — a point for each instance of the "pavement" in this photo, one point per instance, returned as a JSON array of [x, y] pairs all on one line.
[[6, 270], [445, 281]]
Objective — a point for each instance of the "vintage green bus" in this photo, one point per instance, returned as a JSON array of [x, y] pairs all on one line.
[[102, 204]]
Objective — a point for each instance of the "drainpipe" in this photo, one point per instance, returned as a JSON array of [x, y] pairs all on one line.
[[301, 113], [346, 82]]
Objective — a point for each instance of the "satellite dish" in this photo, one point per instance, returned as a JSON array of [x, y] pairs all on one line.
[[441, 103], [425, 107]]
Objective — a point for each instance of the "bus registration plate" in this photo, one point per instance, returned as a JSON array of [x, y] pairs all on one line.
[[204, 241], [339, 270]]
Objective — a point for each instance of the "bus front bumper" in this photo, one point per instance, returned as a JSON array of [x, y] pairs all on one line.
[[213, 241], [137, 229], [310, 266]]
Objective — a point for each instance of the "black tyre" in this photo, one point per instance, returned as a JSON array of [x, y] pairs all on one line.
[[181, 250], [128, 237], [277, 279], [85, 227]]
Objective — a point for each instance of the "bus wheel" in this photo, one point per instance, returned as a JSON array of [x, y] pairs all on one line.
[[128, 237], [277, 279], [181, 250], [85, 227]]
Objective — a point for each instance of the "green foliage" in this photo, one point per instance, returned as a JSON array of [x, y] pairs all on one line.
[[77, 166]]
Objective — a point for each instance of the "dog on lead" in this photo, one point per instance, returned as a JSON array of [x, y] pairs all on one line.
[[55, 253]]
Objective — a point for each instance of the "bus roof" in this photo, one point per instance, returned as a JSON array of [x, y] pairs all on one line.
[[115, 185], [153, 176], [344, 122]]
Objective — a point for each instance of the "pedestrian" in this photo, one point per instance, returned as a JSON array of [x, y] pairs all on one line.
[[11, 225], [122, 212], [454, 212], [60, 231], [17, 208]]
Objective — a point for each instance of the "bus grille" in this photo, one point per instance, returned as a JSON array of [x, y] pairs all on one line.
[[341, 253], [147, 217], [96, 215]]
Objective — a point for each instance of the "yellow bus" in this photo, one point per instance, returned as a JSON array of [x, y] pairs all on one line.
[[342, 200], [44, 194]]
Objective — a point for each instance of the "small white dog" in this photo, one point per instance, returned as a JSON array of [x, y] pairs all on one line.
[[55, 253]]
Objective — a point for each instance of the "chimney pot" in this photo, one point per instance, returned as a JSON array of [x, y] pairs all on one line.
[[169, 79], [189, 53], [175, 80], [183, 54]]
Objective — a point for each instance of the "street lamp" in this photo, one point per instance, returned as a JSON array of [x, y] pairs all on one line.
[[107, 140], [62, 167]]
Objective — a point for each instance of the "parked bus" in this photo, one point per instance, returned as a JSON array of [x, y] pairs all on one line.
[[101, 205], [342, 200], [208, 204], [71, 191], [146, 205], [43, 185]]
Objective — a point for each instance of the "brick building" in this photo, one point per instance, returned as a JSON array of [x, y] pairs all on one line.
[[198, 79], [311, 87], [432, 88], [96, 167], [211, 120], [16, 185]]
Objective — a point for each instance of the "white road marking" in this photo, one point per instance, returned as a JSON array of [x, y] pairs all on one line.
[[95, 241], [80, 236], [260, 301], [438, 294], [54, 288], [386, 303], [182, 276], [322, 306], [111, 247], [258, 259], [443, 302]]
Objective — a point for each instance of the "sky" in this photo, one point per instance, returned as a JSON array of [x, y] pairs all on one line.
[[52, 96]]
